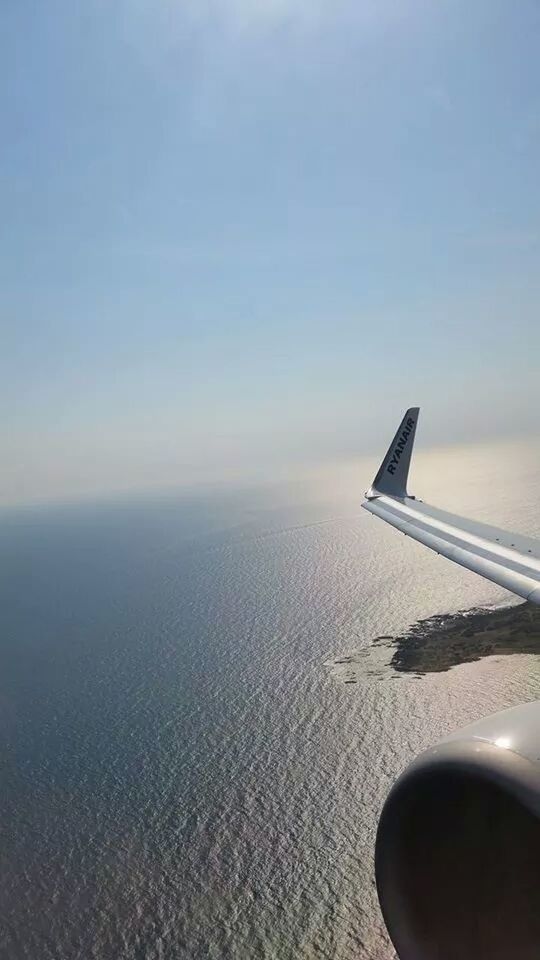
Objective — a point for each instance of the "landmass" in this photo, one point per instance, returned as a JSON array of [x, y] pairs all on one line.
[[441, 642]]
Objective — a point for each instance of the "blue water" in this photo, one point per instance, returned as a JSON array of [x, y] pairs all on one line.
[[182, 774]]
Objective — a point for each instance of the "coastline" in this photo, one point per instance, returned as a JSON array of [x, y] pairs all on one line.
[[443, 641]]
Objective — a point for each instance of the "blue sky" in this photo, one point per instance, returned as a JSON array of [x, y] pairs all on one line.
[[240, 236]]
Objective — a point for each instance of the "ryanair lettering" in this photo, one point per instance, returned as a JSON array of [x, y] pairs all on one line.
[[400, 446]]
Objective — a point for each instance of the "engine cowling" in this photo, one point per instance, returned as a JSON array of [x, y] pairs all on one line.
[[457, 855]]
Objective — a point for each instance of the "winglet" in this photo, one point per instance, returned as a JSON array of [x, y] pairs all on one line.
[[391, 478]]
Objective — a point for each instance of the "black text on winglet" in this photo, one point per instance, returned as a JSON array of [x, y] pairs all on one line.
[[391, 479]]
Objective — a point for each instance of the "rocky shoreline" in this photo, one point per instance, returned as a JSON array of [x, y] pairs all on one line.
[[441, 642]]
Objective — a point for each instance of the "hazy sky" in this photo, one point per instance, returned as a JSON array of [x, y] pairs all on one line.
[[236, 234]]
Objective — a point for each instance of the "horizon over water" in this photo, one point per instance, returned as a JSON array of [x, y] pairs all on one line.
[[182, 775]]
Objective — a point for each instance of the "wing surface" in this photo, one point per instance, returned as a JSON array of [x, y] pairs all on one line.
[[511, 560]]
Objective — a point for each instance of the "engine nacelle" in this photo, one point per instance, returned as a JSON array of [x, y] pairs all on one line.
[[458, 845]]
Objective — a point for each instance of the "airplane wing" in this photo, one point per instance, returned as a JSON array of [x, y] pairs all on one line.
[[509, 559]]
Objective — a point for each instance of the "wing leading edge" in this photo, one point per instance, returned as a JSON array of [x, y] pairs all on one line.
[[511, 560]]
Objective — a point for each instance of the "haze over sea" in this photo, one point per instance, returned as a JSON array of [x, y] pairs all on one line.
[[182, 776]]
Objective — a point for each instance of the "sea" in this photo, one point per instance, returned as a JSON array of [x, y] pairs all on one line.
[[183, 773]]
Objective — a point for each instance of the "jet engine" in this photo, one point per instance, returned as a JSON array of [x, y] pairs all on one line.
[[457, 855]]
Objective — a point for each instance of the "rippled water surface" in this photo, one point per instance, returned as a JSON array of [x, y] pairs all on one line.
[[182, 776]]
